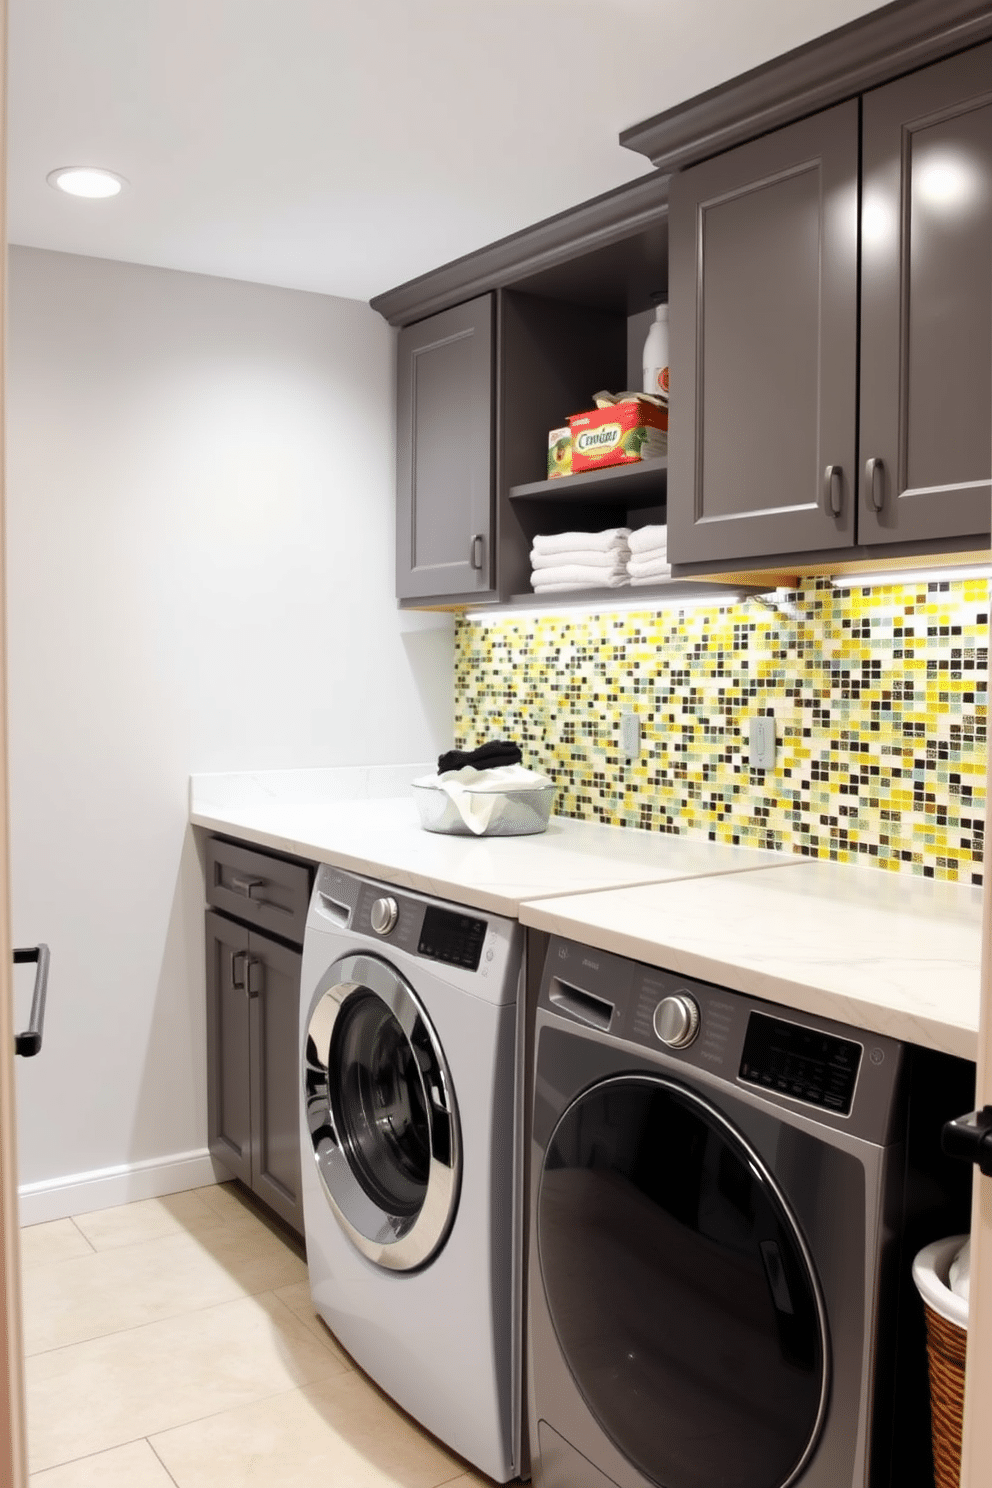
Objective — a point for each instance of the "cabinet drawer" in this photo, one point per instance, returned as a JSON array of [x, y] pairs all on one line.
[[259, 889]]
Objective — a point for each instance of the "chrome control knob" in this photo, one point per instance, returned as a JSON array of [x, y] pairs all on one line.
[[676, 1020], [384, 914]]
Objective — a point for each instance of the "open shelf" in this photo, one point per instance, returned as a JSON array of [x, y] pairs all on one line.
[[642, 484]]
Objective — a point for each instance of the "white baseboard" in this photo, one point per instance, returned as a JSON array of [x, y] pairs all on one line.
[[104, 1188]]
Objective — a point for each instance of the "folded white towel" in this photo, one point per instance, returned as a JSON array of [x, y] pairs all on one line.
[[589, 557], [663, 573], [576, 588], [579, 573], [643, 568], [645, 539], [567, 542]]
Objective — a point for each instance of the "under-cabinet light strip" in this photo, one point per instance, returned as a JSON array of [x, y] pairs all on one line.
[[719, 598], [911, 576]]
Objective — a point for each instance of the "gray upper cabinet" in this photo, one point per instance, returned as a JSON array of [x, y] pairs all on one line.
[[445, 470], [764, 319], [822, 227], [926, 328], [795, 432]]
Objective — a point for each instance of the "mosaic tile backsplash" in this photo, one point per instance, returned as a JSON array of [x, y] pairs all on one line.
[[879, 696]]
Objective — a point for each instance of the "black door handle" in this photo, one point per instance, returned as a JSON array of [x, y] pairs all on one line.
[[970, 1137], [29, 1042]]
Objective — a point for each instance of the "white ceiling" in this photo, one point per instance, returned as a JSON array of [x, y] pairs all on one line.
[[346, 147]]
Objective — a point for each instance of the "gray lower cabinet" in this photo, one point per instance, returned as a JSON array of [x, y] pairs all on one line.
[[926, 320], [253, 986], [445, 454], [763, 322], [767, 456]]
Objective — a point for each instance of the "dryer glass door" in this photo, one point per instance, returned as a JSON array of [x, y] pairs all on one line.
[[681, 1289], [381, 1114]]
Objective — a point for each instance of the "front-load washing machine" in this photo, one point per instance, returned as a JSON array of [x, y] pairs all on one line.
[[409, 1130], [716, 1191]]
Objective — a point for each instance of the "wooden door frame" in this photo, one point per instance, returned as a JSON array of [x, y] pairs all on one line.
[[976, 1444], [13, 1443]]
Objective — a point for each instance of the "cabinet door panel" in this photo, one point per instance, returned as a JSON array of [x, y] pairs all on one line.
[[228, 1045], [926, 392], [445, 453], [257, 887], [274, 982], [763, 311]]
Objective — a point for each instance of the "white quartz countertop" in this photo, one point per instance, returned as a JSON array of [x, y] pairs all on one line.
[[383, 838], [886, 952]]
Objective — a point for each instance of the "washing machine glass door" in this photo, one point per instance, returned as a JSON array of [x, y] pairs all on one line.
[[381, 1114], [681, 1289]]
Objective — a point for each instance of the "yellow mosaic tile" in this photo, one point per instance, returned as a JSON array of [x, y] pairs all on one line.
[[879, 694]]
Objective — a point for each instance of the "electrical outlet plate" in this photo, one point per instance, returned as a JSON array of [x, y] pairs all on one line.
[[761, 742], [630, 735]]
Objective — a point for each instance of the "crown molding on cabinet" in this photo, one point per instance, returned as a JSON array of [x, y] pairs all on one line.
[[863, 54], [594, 225], [871, 50]]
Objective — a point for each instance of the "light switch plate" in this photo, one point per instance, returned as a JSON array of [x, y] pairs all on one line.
[[630, 735], [761, 742]]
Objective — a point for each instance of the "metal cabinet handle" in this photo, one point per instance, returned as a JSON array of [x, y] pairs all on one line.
[[29, 1042], [875, 479], [477, 549], [256, 977], [833, 490], [246, 886], [242, 984]]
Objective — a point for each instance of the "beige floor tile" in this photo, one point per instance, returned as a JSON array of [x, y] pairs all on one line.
[[229, 1202], [57, 1240], [342, 1432], [476, 1480], [297, 1298], [148, 1219], [218, 1196], [110, 1290], [133, 1466], [108, 1391]]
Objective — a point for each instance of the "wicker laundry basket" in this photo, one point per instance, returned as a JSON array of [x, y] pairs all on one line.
[[947, 1339]]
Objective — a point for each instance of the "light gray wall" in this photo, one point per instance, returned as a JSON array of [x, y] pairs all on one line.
[[200, 577]]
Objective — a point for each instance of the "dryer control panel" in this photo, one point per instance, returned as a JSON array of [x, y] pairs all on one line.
[[806, 1063], [840, 1075]]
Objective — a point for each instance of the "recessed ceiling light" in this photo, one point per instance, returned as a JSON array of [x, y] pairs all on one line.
[[84, 180]]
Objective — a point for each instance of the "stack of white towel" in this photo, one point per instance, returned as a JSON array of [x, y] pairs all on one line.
[[580, 560], [648, 560]]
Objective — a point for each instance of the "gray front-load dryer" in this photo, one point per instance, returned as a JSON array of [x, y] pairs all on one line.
[[409, 1124], [715, 1187]]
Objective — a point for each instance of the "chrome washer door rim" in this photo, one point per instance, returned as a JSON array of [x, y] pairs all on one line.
[[397, 1241]]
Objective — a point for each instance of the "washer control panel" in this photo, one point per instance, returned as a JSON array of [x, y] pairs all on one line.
[[450, 936], [676, 1020], [481, 950], [384, 914]]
